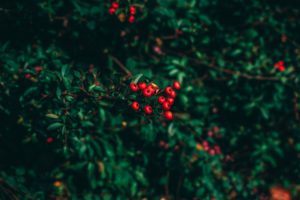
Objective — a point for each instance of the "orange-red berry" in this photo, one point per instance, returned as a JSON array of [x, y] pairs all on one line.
[[166, 105], [114, 5], [168, 90], [148, 109], [134, 87], [142, 85], [131, 19], [172, 94], [38, 68], [27, 76], [168, 115], [111, 11], [148, 91], [280, 66], [50, 140], [161, 99], [132, 10], [170, 100], [135, 105], [176, 85]]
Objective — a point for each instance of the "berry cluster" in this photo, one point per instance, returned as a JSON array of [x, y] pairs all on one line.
[[211, 150], [152, 89], [132, 11], [113, 8], [280, 66], [38, 70]]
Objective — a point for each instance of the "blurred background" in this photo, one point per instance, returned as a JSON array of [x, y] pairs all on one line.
[[67, 129]]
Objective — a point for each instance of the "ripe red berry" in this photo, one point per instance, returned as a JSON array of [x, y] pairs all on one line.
[[166, 105], [148, 91], [176, 85], [217, 149], [206, 148], [161, 99], [216, 129], [114, 5], [132, 10], [38, 68], [205, 143], [162, 143], [168, 115], [134, 87], [142, 85], [111, 11], [212, 152], [135, 105], [172, 94], [280, 66], [170, 100], [168, 90], [131, 19], [27, 76], [49, 140], [148, 109]]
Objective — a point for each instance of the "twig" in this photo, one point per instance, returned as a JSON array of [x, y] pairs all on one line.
[[122, 66], [236, 73], [296, 106], [167, 194], [177, 197]]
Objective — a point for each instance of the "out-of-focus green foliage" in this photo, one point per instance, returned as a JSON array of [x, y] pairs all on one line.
[[65, 69]]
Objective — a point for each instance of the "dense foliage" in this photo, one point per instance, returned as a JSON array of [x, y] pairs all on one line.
[[68, 130]]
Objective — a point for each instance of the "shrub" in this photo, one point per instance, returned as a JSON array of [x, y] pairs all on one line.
[[68, 130]]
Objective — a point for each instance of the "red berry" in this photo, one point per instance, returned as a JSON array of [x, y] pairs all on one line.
[[216, 129], [176, 85], [132, 10], [212, 152], [148, 91], [206, 148], [162, 143], [114, 5], [172, 94], [170, 100], [168, 90], [166, 105], [161, 99], [112, 11], [134, 87], [27, 76], [205, 143], [50, 140], [131, 19], [217, 149], [135, 105], [148, 109], [168, 115], [142, 85], [280, 66], [38, 68]]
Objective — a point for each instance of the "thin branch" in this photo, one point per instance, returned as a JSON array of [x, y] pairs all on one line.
[[122, 66], [297, 116], [177, 197], [236, 73], [167, 193]]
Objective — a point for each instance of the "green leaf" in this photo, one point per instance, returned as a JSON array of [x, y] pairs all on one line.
[[54, 126]]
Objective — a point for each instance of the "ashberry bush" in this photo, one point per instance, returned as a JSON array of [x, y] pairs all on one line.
[[149, 99]]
